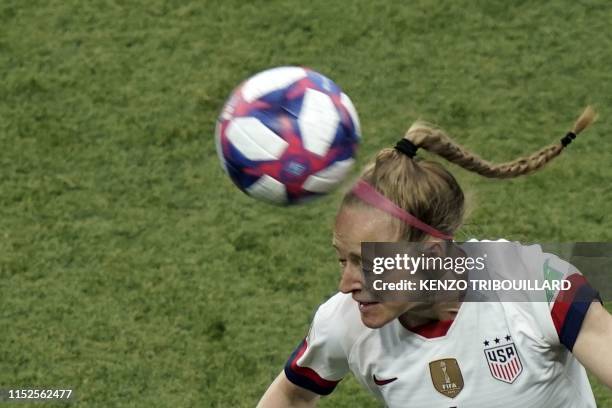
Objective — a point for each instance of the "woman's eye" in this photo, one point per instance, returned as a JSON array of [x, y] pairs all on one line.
[[342, 262]]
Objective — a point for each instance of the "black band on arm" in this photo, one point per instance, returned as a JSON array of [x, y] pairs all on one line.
[[306, 377]]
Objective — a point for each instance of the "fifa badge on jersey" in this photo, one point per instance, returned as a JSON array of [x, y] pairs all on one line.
[[504, 362], [446, 377]]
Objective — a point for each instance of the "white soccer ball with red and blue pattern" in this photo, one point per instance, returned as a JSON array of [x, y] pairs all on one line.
[[287, 134]]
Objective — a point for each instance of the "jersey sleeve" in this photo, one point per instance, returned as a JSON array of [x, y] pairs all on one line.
[[568, 306], [565, 300], [557, 312], [320, 361]]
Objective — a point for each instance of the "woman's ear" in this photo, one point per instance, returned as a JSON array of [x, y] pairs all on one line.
[[434, 248]]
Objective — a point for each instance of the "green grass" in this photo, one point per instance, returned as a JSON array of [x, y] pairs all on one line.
[[132, 270]]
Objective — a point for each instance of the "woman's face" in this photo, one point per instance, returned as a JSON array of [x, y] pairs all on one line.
[[356, 224]]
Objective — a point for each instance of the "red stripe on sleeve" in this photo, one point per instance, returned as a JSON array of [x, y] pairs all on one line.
[[564, 300], [309, 372]]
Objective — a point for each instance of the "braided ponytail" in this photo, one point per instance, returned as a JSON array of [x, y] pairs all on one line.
[[436, 141], [426, 190]]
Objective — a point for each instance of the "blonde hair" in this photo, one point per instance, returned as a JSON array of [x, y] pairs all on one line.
[[428, 191]]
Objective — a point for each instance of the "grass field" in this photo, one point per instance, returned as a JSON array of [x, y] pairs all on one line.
[[133, 271]]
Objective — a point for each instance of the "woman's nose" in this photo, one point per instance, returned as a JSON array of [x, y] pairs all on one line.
[[351, 279]]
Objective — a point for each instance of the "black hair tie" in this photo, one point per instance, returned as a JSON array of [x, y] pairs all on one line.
[[567, 139], [406, 147]]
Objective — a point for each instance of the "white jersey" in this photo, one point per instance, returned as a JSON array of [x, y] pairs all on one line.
[[490, 355]]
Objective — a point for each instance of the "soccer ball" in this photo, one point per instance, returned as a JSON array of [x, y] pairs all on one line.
[[287, 134]]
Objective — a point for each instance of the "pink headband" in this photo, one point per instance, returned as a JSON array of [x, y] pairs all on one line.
[[368, 194]]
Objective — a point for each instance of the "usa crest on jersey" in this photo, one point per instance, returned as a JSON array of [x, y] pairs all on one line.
[[504, 362]]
